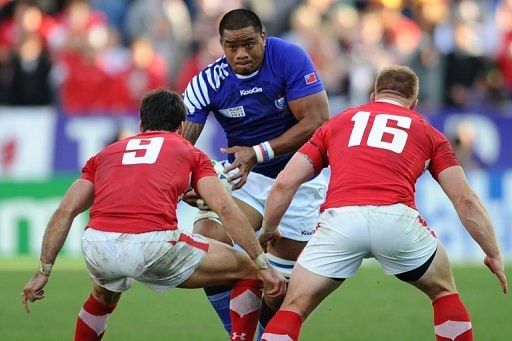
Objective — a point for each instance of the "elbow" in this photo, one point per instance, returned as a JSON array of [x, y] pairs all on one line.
[[467, 201], [319, 121], [283, 184], [66, 212]]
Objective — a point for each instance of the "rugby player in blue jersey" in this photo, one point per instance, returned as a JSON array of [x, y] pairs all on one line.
[[268, 98]]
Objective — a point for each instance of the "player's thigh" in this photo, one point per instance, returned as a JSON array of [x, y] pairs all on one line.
[[300, 220], [221, 265], [340, 243], [252, 214], [287, 249], [207, 223], [400, 240], [101, 258], [438, 279], [306, 290], [301, 217]]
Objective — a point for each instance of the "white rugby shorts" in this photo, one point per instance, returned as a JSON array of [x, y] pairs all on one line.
[[395, 235], [300, 219], [161, 259]]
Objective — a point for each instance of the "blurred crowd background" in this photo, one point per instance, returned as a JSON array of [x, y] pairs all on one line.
[[94, 57], [90, 56]]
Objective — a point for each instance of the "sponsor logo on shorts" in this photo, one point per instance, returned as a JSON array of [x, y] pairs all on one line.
[[307, 233], [254, 90], [234, 112]]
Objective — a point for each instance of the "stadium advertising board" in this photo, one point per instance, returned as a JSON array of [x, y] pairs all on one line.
[[38, 145], [26, 207], [27, 141]]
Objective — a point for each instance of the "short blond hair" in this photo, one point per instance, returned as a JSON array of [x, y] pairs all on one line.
[[397, 80]]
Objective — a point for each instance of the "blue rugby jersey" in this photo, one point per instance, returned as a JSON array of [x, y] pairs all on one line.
[[253, 109]]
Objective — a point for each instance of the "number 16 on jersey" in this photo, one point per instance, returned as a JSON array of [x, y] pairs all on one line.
[[378, 129]]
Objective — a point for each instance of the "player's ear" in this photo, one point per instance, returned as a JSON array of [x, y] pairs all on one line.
[[414, 104], [372, 97], [140, 126]]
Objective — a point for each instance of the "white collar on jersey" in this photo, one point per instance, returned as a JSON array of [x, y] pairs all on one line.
[[390, 101], [246, 76]]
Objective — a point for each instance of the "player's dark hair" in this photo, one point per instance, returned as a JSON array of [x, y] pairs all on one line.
[[162, 109], [240, 18], [398, 80]]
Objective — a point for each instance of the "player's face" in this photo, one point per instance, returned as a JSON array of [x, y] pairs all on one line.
[[244, 49]]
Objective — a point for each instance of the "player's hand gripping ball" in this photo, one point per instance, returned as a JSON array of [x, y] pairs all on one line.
[[218, 166]]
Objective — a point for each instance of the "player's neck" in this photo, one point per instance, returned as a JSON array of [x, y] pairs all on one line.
[[391, 100], [157, 132], [252, 74]]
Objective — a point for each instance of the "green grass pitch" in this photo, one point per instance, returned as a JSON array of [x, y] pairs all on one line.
[[371, 306]]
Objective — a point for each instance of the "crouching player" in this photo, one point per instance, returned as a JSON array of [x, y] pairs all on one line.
[[376, 152], [132, 188]]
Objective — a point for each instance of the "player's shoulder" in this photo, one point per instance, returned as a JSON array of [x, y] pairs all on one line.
[[179, 145], [119, 144], [345, 114], [279, 45], [214, 73], [203, 87], [283, 50]]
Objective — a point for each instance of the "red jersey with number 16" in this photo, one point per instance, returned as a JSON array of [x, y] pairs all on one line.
[[138, 181], [377, 151]]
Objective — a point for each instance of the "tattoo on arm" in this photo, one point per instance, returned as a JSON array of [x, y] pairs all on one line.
[[192, 130]]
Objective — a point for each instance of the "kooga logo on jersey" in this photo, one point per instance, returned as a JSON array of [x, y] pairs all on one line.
[[250, 91]]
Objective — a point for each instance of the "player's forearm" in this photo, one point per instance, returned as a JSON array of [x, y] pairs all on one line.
[[277, 203], [55, 235], [476, 220], [192, 131], [292, 139]]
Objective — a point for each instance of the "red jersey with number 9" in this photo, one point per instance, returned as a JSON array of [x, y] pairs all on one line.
[[377, 151], [138, 181]]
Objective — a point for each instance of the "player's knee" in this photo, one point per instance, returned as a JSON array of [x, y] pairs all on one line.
[[246, 268], [212, 229], [106, 297], [283, 266]]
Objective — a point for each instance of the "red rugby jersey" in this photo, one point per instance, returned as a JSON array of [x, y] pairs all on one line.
[[138, 181], [377, 151]]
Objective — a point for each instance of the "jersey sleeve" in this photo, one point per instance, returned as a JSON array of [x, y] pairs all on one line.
[[89, 170], [197, 98], [299, 73], [315, 149], [202, 167], [442, 155]]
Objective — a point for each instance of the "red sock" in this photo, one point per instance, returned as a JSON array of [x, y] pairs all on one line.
[[451, 319], [244, 309], [92, 320], [284, 324]]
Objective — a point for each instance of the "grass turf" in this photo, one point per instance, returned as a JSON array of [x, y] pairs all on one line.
[[371, 306]]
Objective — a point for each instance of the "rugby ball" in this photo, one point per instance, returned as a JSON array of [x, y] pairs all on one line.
[[218, 166]]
